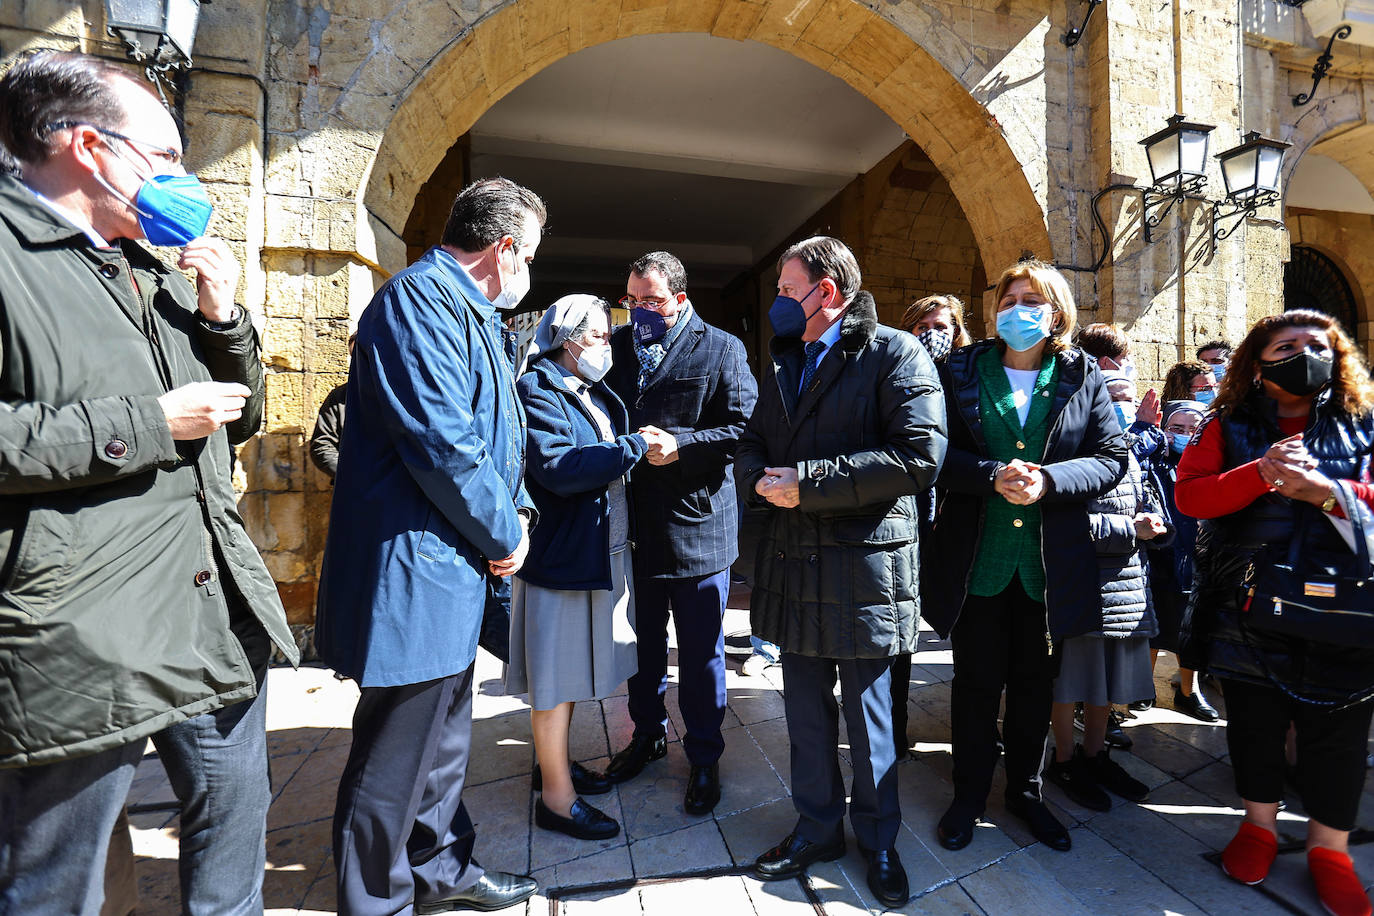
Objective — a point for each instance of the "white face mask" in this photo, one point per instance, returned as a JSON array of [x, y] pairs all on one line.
[[514, 287], [594, 362]]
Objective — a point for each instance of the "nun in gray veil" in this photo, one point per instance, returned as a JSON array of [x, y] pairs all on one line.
[[572, 603]]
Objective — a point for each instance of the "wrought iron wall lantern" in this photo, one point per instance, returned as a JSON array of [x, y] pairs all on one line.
[[1074, 35], [158, 34], [1252, 172]]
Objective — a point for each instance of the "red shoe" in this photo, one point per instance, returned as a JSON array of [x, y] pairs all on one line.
[[1337, 884], [1250, 853]]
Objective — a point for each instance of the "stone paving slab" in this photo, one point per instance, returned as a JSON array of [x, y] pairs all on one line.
[[1133, 859]]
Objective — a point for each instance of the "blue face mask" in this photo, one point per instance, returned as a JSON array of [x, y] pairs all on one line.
[[1205, 396], [650, 326], [1124, 415], [172, 209], [1179, 441], [1024, 326], [787, 316], [1219, 372]]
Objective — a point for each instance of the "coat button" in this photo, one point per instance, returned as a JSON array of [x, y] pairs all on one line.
[[202, 577], [116, 449], [1020, 445], [1017, 523], [780, 555], [813, 559], [817, 472], [109, 271]]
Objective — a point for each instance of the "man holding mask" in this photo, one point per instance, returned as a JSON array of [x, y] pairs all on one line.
[[689, 391], [135, 606], [428, 503]]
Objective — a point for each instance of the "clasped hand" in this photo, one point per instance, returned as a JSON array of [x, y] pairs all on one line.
[[1292, 471], [780, 487], [1020, 482], [662, 445]]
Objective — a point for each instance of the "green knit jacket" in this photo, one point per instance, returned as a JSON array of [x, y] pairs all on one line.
[[1010, 546]]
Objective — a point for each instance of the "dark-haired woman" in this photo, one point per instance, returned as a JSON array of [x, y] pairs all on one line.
[[1032, 438], [1293, 417]]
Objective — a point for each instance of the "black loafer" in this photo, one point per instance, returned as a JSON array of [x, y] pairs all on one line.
[[795, 855], [585, 781], [955, 829], [495, 890], [585, 822], [1195, 705], [1044, 826], [703, 789], [887, 877], [640, 752]]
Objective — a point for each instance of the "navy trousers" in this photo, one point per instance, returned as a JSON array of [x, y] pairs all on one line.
[[401, 832], [813, 730], [698, 607]]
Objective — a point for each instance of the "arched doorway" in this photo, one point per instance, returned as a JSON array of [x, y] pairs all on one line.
[[1311, 280]]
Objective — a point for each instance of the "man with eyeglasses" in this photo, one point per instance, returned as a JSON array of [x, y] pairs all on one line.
[[133, 604], [689, 391]]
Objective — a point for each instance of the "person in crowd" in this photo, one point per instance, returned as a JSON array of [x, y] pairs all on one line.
[[938, 323], [689, 390], [324, 441], [1171, 566], [1111, 665], [1110, 346], [1293, 418], [572, 607], [124, 385], [1190, 380], [850, 428], [429, 501], [1035, 439], [1217, 355]]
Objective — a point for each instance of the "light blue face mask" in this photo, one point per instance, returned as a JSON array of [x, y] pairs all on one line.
[[1179, 441], [171, 209], [1023, 326], [1219, 372], [1205, 396], [1124, 414]]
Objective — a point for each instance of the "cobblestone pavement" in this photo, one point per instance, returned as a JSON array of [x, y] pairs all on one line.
[[1145, 859]]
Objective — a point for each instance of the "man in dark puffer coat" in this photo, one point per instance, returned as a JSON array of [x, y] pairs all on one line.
[[849, 429]]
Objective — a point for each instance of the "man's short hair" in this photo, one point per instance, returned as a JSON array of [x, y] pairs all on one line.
[[487, 211], [1104, 340], [50, 88], [664, 263], [822, 256], [1214, 345]]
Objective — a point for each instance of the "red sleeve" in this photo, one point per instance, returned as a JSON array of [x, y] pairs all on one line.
[[1204, 490], [1363, 491]]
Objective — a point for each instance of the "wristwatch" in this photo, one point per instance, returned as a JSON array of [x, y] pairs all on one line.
[[1329, 504]]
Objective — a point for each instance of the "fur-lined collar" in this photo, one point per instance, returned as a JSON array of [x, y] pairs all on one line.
[[858, 326]]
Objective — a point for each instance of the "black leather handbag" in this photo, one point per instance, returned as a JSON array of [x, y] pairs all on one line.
[[1312, 590]]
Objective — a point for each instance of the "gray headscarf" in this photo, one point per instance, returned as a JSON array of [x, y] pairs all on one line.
[[1173, 407], [558, 324]]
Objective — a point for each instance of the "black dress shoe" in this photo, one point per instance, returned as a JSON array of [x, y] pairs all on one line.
[[640, 752], [495, 890], [795, 855], [1044, 826], [1195, 705], [955, 829], [585, 781], [887, 877], [585, 822], [703, 789]]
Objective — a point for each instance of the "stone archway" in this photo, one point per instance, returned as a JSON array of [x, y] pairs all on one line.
[[847, 40]]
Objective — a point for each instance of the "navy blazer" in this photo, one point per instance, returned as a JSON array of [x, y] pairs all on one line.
[[686, 516], [429, 481], [568, 470]]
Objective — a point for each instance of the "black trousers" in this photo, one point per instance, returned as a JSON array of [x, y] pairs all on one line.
[[400, 828], [1331, 750], [901, 686], [1000, 644]]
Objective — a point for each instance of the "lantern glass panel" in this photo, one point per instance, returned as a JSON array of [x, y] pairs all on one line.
[[1163, 156], [1238, 172], [1270, 168], [1194, 152], [182, 16], [144, 15]]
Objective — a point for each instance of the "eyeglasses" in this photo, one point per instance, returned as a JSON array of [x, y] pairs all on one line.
[[166, 153], [653, 305]]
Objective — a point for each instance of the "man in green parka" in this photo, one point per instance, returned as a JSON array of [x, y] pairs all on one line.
[[132, 603]]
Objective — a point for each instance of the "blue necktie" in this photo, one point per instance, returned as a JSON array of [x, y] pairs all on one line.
[[813, 357]]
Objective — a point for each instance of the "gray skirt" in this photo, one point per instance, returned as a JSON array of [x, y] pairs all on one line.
[[567, 646], [1100, 671]]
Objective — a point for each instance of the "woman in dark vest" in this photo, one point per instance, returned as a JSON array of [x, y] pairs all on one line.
[[1032, 438], [1293, 417]]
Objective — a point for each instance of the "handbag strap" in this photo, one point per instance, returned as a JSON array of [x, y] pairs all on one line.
[[1332, 705]]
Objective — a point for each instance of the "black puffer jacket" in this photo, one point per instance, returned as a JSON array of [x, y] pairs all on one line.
[[1213, 638], [837, 576], [1122, 565], [1084, 458]]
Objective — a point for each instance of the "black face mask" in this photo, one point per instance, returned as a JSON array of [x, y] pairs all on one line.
[[1300, 374]]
